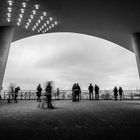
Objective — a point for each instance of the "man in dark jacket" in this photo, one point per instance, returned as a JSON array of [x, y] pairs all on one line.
[[115, 93], [120, 92], [90, 88], [96, 92], [78, 92]]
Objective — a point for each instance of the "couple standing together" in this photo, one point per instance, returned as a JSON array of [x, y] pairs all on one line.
[[91, 89], [46, 96]]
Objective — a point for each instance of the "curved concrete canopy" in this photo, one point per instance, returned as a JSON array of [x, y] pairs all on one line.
[[113, 20]]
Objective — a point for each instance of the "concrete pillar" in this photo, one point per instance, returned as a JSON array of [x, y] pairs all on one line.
[[6, 34]]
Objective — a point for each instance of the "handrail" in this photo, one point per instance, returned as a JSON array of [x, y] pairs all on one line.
[[67, 94]]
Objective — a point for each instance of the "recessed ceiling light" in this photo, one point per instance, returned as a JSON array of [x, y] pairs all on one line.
[[31, 16], [36, 6], [9, 15], [21, 15], [48, 22], [29, 20], [44, 13], [19, 19], [10, 2], [8, 20], [34, 12], [55, 22], [51, 18], [24, 4], [9, 9], [26, 27], [22, 10], [41, 17], [18, 23]]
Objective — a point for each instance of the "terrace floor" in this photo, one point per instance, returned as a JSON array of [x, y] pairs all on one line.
[[82, 120]]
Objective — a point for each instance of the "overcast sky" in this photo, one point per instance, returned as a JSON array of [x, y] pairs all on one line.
[[67, 58]]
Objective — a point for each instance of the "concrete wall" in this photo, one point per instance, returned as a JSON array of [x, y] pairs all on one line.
[[136, 47], [6, 34]]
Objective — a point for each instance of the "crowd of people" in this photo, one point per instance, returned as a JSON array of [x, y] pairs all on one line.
[[46, 97]]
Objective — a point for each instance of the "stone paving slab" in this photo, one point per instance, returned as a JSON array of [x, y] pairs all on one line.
[[86, 120]]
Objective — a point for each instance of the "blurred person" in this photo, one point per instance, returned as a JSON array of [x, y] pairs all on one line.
[[11, 92], [57, 93], [115, 90], [78, 92], [90, 88], [120, 92], [38, 94], [74, 88], [97, 92], [16, 93], [48, 95]]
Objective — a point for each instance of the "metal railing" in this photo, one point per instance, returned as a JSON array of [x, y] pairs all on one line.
[[67, 95]]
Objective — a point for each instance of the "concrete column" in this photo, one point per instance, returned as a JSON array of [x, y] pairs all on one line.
[[6, 34]]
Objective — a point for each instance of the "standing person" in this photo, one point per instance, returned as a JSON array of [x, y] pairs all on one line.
[[115, 90], [74, 88], [90, 88], [16, 93], [57, 93], [11, 92], [78, 92], [120, 92], [96, 92], [39, 90], [48, 91]]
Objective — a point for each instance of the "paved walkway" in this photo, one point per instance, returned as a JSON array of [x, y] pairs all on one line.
[[70, 121]]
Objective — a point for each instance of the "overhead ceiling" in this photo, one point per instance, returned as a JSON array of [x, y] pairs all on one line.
[[113, 20]]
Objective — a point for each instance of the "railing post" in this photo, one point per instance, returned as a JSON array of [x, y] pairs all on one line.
[[131, 96], [29, 95]]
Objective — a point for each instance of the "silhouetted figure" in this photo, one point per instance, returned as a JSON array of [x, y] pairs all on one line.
[[48, 90], [38, 94], [11, 93], [78, 92], [74, 88], [115, 90], [120, 92], [96, 92], [90, 88], [16, 93], [57, 93]]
